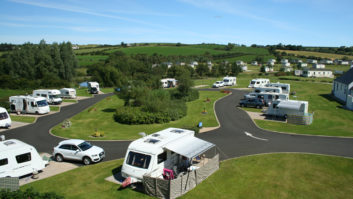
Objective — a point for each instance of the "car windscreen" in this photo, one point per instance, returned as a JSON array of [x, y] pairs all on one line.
[[252, 82], [226, 80], [85, 146], [3, 116], [54, 96], [42, 103], [138, 160]]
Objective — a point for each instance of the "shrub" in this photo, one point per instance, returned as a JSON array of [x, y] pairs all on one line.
[[28, 193]]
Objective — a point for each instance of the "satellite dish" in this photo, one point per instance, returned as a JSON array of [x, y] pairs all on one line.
[[143, 134]]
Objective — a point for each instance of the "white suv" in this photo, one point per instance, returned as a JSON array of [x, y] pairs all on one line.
[[78, 150], [218, 84]]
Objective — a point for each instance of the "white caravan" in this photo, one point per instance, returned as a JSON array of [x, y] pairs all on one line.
[[29, 104], [164, 149], [282, 108], [285, 87], [52, 96], [68, 93], [230, 81], [268, 90], [168, 82], [254, 83], [5, 120], [18, 159], [268, 97], [93, 87]]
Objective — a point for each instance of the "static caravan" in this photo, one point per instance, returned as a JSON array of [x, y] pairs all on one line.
[[254, 83], [268, 97], [93, 87], [5, 120], [52, 96], [18, 159], [168, 82], [68, 93], [285, 87], [268, 90], [29, 104], [281, 108], [170, 149], [230, 81]]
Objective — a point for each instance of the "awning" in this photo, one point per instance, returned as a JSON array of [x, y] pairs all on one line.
[[189, 146]]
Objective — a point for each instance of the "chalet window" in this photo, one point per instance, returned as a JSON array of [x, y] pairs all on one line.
[[4, 162], [26, 157]]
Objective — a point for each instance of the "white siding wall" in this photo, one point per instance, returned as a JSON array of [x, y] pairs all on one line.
[[340, 91]]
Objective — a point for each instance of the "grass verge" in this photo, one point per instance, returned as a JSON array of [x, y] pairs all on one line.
[[25, 119], [259, 176], [100, 117], [54, 108]]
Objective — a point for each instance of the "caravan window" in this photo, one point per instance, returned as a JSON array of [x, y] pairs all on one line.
[[3, 116], [138, 160], [4, 162], [42, 103], [23, 158], [252, 82], [44, 95], [162, 157]]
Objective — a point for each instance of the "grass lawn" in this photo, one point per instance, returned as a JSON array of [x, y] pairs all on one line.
[[83, 92], [85, 60], [100, 117], [54, 108], [259, 176], [107, 90], [70, 100], [257, 110], [25, 119]]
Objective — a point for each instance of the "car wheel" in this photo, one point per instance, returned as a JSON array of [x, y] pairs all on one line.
[[59, 158], [86, 160]]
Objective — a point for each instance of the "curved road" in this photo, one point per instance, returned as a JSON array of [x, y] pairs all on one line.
[[230, 138]]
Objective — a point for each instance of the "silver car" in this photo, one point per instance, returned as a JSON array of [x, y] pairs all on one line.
[[81, 150]]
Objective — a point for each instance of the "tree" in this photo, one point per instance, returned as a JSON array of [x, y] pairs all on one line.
[[184, 82], [235, 69], [202, 69]]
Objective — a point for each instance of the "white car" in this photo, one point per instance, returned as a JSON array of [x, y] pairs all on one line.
[[75, 149], [218, 84]]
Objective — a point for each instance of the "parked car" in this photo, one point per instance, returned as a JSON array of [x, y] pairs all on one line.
[[218, 84], [252, 102], [75, 149]]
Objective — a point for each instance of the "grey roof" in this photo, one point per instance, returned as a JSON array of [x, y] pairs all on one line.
[[318, 69], [346, 78]]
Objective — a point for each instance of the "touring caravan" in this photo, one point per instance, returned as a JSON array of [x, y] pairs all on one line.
[[168, 82], [268, 90], [254, 83], [93, 87], [167, 149], [268, 97], [5, 120], [29, 104], [18, 159], [285, 87], [281, 108], [230, 81], [68, 93], [52, 96]]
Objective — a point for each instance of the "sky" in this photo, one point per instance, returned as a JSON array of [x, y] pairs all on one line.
[[262, 22]]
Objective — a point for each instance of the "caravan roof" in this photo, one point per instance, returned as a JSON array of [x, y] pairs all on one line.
[[12, 144], [181, 141], [291, 104]]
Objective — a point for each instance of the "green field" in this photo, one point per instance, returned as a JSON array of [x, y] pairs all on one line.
[[259, 176], [100, 117], [25, 119], [85, 60], [316, 54], [54, 108]]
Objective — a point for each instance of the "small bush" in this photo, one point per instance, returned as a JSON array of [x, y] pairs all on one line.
[[28, 193]]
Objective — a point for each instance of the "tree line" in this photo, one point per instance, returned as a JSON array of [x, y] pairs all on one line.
[[38, 65]]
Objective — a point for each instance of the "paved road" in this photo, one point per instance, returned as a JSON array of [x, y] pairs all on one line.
[[230, 138]]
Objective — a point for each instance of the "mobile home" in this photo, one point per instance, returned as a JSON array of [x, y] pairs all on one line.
[[68, 93], [29, 104], [18, 159], [52, 96], [281, 108], [5, 120], [285, 87], [230, 81], [268, 97], [268, 90], [93, 87], [168, 82], [167, 149], [254, 83]]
